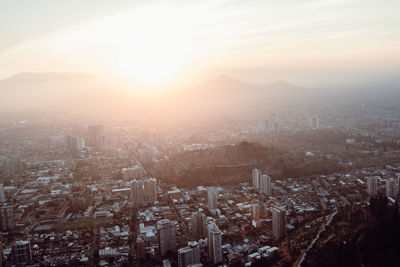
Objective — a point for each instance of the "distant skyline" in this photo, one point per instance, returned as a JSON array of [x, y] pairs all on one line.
[[162, 43]]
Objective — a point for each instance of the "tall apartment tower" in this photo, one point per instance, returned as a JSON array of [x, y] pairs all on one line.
[[7, 219], [96, 137], [372, 186], [21, 253], [144, 191], [256, 177], [2, 195], [189, 255], [166, 236], [313, 121], [392, 188], [263, 125], [214, 243], [266, 188], [199, 227], [212, 200], [256, 212], [279, 222]]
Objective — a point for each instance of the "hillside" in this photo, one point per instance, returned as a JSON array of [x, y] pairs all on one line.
[[232, 164]]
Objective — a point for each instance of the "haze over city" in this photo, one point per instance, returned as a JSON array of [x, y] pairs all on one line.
[[199, 133]]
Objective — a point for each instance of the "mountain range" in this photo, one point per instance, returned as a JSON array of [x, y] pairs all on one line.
[[82, 92]]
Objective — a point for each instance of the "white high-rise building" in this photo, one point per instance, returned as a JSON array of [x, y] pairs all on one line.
[[313, 121], [166, 236], [392, 188], [214, 243], [189, 255], [256, 177], [279, 222], [212, 200], [199, 227], [144, 191], [2, 195], [372, 186], [266, 185]]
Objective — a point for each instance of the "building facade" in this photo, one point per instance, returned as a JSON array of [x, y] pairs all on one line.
[[166, 236], [144, 191], [279, 222], [214, 244], [266, 188], [189, 255]]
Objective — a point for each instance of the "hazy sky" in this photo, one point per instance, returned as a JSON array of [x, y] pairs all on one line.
[[313, 43]]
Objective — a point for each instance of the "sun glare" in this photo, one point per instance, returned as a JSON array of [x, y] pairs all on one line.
[[151, 47]]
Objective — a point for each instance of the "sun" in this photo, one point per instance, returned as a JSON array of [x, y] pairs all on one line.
[[151, 46]]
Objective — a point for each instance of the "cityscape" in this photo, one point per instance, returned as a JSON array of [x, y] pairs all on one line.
[[183, 134]]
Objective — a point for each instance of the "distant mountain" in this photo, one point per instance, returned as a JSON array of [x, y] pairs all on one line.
[[80, 93], [28, 91], [225, 86], [87, 93]]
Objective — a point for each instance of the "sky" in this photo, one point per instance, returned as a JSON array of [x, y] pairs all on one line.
[[324, 43]]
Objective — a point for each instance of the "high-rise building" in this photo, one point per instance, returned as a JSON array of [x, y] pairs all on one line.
[[72, 143], [80, 143], [199, 227], [144, 191], [263, 125], [266, 185], [21, 253], [10, 166], [256, 175], [75, 143], [7, 219], [166, 236], [2, 195], [212, 200], [189, 255], [313, 121], [214, 243], [392, 188], [96, 137], [279, 222], [146, 156], [256, 212], [372, 186]]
